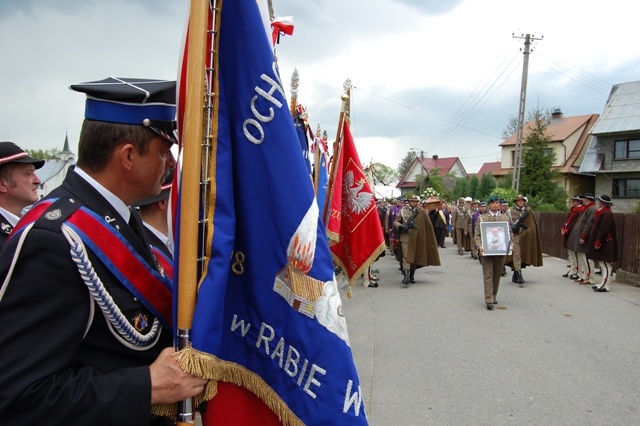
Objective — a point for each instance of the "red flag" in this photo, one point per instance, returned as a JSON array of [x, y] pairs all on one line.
[[353, 225]]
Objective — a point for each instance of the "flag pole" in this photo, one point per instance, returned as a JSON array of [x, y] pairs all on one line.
[[316, 161], [192, 140], [337, 147], [295, 82]]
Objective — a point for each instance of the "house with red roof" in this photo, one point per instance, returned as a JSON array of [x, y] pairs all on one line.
[[449, 168], [494, 169], [569, 139]]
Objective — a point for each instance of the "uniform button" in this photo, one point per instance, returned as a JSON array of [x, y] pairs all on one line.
[[135, 299]]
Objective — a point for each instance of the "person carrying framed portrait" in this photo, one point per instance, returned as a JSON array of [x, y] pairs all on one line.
[[493, 238]]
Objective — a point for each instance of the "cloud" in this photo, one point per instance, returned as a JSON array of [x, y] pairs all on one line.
[[11, 8], [439, 76], [431, 7], [53, 46]]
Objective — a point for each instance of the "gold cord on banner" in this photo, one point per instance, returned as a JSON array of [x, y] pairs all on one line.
[[210, 367]]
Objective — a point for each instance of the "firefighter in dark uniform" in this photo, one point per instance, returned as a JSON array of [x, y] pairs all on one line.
[[18, 185], [90, 335], [154, 212]]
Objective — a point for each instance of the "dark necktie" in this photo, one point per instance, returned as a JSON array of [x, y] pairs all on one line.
[[135, 227]]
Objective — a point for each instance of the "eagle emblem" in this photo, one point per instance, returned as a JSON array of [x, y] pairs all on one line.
[[357, 200]]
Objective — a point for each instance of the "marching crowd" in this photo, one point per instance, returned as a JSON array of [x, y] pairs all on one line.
[[499, 236]]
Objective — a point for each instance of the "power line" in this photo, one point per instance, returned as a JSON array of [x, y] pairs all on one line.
[[578, 75], [464, 114], [476, 106], [421, 112]]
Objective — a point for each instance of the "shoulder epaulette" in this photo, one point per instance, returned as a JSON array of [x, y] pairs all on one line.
[[56, 213]]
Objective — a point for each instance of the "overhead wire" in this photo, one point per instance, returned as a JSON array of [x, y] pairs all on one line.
[[419, 111], [486, 96], [479, 97], [578, 75], [466, 109]]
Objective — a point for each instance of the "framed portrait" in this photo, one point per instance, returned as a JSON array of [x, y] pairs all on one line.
[[495, 238]]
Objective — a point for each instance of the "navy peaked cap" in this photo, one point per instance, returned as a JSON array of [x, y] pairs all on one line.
[[146, 102]]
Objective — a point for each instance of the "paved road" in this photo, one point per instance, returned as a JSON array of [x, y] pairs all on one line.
[[553, 352]]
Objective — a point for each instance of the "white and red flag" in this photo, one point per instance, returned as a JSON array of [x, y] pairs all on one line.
[[281, 26]]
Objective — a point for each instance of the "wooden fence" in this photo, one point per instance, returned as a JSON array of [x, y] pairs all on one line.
[[627, 226]]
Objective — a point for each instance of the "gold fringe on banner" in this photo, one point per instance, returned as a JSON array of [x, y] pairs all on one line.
[[210, 367]]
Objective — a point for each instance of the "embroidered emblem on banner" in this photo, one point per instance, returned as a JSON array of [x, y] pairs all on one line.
[[305, 294], [357, 199]]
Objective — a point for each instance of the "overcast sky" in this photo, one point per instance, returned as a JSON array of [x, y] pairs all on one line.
[[442, 76]]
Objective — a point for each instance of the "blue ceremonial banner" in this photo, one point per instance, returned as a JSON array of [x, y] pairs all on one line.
[[304, 142], [268, 315], [323, 175]]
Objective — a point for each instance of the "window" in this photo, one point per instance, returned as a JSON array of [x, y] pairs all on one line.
[[626, 188], [624, 150]]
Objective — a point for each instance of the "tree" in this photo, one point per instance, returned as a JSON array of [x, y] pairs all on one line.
[[474, 182], [421, 182], [406, 163], [537, 173], [505, 193], [437, 184], [512, 128], [506, 181], [384, 175], [460, 188], [486, 186], [46, 154]]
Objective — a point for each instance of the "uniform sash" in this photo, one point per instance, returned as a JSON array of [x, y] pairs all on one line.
[[442, 217], [151, 288], [165, 261]]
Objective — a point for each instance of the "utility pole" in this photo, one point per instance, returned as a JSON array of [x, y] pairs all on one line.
[[521, 110]]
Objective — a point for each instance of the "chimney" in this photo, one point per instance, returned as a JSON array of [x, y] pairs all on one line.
[[557, 113], [435, 158]]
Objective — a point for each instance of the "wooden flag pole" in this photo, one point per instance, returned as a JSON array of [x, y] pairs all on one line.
[[192, 148], [337, 147], [316, 162], [192, 139]]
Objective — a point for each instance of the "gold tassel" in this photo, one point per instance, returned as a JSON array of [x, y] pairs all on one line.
[[349, 292], [210, 367]]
